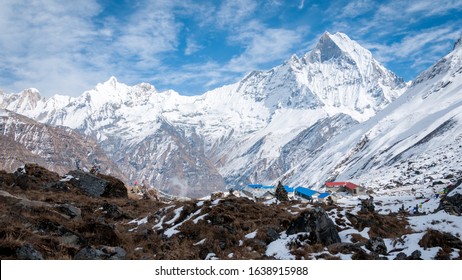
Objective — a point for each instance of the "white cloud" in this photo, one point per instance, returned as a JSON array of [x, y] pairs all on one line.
[[66, 47], [356, 8], [429, 7], [41, 42], [264, 45], [424, 44], [150, 31], [191, 47], [234, 12]]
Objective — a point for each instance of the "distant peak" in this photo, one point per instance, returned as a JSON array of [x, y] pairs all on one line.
[[110, 84], [112, 81], [32, 92]]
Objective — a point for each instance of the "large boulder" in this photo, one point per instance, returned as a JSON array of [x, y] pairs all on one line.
[[317, 223], [34, 176], [452, 204], [98, 186], [28, 252], [377, 245], [101, 253]]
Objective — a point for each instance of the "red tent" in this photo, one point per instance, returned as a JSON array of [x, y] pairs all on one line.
[[347, 185]]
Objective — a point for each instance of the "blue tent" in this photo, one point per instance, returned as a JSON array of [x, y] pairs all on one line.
[[289, 189], [323, 195], [305, 192], [259, 186]]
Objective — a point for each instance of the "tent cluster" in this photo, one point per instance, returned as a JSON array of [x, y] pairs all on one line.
[[267, 191]]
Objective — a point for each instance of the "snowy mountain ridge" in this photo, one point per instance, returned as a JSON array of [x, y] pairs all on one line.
[[413, 141], [240, 129]]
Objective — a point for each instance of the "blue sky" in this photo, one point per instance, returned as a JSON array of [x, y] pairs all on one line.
[[67, 47]]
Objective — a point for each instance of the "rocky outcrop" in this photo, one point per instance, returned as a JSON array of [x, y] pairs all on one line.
[[452, 204], [98, 185], [101, 253], [377, 245], [28, 252], [317, 223], [59, 149]]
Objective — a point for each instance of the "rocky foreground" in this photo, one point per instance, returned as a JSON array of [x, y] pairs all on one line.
[[86, 216]]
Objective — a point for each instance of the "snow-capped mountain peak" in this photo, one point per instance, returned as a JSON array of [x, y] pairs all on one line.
[[243, 129], [338, 45], [326, 49]]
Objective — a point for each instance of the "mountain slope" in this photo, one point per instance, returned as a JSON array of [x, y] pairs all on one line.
[[60, 149], [415, 140]]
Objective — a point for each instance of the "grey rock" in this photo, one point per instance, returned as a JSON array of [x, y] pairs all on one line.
[[89, 183], [101, 253], [318, 224], [400, 256], [70, 210], [28, 252], [377, 245]]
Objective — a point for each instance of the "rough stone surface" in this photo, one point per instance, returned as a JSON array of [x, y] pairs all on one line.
[[377, 245], [28, 252], [89, 183], [70, 210], [101, 253], [316, 222], [98, 186]]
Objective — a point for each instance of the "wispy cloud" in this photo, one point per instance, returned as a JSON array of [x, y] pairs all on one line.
[[264, 45], [191, 46], [232, 13], [69, 46], [42, 39], [430, 8]]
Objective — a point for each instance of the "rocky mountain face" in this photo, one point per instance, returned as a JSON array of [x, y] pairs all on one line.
[[236, 134], [60, 149]]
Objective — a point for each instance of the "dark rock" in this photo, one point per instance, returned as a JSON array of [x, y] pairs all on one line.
[[377, 245], [344, 248], [63, 234], [100, 234], [363, 255], [89, 253], [89, 183], [271, 235], [70, 210], [98, 186], [115, 187], [318, 224], [113, 211], [114, 253], [33, 175], [57, 186], [71, 239], [101, 253], [367, 205], [401, 256], [451, 204], [415, 255], [28, 252]]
